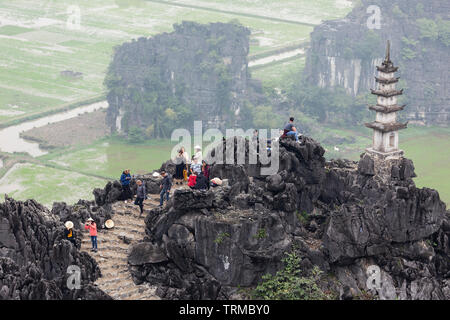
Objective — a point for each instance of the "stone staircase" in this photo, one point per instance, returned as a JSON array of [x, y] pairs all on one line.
[[112, 251]]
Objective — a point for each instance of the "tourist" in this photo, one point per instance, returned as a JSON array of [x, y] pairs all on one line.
[[125, 180], [92, 227], [69, 234], [201, 182], [165, 186], [216, 182], [180, 162], [192, 179], [205, 171], [290, 129], [198, 154], [196, 166], [141, 195]]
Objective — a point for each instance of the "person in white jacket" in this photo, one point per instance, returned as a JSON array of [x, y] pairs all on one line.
[[198, 154], [182, 162]]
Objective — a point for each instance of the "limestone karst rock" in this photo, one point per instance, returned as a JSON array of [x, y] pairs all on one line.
[[336, 216], [197, 71], [344, 53], [34, 257], [339, 215]]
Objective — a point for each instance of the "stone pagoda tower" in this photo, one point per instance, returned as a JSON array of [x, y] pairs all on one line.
[[385, 127]]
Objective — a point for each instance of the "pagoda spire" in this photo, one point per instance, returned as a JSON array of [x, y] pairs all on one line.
[[388, 52], [385, 127]]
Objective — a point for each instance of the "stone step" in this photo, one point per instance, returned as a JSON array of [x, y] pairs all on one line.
[[112, 249], [131, 230], [112, 252], [114, 274], [108, 245], [129, 224], [149, 294], [109, 255], [127, 293], [115, 264], [114, 277], [112, 242]]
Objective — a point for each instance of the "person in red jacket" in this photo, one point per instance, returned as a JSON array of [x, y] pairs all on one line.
[[192, 179], [92, 227]]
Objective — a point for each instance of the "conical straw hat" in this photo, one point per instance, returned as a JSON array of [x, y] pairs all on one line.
[[69, 224], [109, 224]]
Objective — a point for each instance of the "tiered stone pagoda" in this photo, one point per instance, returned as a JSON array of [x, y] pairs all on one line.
[[385, 127]]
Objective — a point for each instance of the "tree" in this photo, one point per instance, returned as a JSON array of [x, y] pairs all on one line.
[[428, 29], [136, 135], [290, 284]]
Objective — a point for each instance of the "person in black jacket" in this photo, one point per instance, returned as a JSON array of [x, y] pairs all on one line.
[[69, 233], [201, 182], [166, 185], [141, 195], [125, 180]]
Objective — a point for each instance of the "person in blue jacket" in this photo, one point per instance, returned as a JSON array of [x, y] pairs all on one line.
[[125, 180]]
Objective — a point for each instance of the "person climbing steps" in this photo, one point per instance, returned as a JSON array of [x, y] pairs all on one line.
[[125, 180], [166, 185], [141, 195]]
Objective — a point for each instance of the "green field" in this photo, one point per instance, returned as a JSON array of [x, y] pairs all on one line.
[[109, 157], [36, 43], [279, 74], [427, 147], [47, 185]]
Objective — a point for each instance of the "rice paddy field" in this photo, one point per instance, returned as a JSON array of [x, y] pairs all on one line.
[[47, 185], [51, 58], [41, 39]]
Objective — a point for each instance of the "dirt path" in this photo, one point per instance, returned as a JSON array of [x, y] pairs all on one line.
[[113, 251]]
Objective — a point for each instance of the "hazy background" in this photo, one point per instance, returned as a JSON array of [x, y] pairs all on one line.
[[54, 56]]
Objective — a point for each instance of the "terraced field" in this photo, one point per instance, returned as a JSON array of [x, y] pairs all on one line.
[[40, 40]]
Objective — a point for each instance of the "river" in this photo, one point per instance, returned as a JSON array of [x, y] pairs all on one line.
[[10, 140]]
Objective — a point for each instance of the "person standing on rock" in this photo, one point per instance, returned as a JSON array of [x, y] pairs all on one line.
[[181, 161], [198, 154], [125, 180], [92, 227], [165, 187], [290, 129], [141, 195], [205, 171]]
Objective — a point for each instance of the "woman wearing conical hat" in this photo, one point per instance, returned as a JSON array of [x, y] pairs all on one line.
[[92, 228]]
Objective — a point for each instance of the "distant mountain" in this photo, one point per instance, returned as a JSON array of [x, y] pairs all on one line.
[[344, 53], [164, 82]]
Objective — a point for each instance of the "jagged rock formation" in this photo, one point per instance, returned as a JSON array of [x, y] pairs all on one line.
[[112, 257], [197, 71], [341, 216], [345, 52], [34, 257]]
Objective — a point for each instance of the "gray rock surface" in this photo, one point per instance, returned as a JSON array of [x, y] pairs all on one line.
[[34, 257], [338, 215]]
